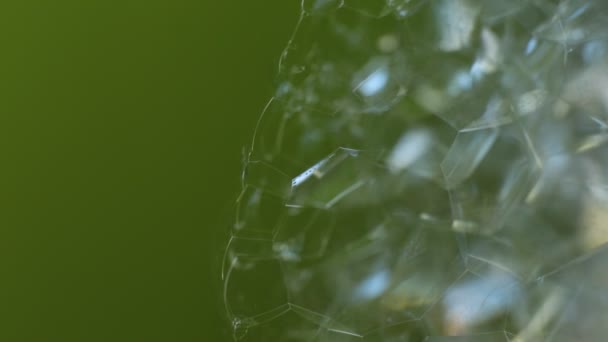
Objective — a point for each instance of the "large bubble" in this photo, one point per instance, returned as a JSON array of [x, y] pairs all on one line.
[[429, 171]]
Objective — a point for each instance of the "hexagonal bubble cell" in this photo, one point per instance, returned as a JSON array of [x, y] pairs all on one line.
[[495, 193], [303, 233], [284, 137], [253, 293], [266, 178], [378, 278], [256, 214], [428, 171], [466, 153]]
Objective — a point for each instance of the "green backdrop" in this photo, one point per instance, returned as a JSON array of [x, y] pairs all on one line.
[[121, 127]]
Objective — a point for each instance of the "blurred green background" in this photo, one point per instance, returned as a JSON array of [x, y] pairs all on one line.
[[121, 128]]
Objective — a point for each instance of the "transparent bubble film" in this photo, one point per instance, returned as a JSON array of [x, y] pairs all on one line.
[[428, 170]]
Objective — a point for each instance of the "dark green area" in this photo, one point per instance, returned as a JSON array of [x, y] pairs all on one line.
[[121, 127]]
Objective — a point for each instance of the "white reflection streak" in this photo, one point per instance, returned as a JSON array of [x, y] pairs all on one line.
[[601, 123], [345, 193], [373, 83], [304, 176], [349, 333], [533, 151], [494, 264], [579, 12], [314, 170]]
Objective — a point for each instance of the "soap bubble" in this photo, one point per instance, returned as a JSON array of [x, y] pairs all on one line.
[[428, 170]]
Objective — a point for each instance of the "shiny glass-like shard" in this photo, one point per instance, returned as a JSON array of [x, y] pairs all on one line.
[[330, 180]]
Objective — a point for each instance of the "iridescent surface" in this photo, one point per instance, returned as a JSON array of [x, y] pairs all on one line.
[[429, 171]]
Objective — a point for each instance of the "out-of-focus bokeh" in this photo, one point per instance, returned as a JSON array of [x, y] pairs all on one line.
[[429, 170], [121, 126]]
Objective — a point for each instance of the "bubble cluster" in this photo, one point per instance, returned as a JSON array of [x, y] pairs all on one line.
[[428, 170]]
